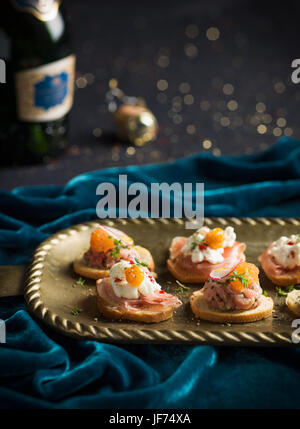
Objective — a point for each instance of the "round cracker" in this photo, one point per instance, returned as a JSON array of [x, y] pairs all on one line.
[[148, 314], [202, 310], [189, 276], [293, 301], [80, 267], [285, 279]]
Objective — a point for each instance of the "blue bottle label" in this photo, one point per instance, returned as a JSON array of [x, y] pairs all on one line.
[[51, 91], [45, 10], [46, 93]]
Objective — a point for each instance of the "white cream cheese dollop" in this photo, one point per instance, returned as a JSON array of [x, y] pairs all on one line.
[[123, 289], [214, 256], [286, 251]]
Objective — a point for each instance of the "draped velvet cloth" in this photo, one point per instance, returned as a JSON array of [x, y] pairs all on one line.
[[42, 369]]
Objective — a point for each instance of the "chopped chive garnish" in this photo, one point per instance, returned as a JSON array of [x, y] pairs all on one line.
[[80, 281], [76, 311], [181, 287], [143, 264]]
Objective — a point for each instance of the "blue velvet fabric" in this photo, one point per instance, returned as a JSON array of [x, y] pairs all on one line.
[[41, 369]]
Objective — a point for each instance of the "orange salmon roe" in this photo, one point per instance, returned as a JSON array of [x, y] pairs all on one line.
[[215, 238], [247, 270], [100, 241], [134, 275]]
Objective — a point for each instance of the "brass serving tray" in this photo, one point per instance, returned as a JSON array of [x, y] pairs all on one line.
[[51, 292]]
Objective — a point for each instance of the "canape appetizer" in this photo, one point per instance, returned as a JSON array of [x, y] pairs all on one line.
[[131, 292], [108, 246], [232, 296], [293, 301], [192, 259], [281, 261]]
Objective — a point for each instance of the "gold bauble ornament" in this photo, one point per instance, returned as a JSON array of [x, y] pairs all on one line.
[[136, 124]]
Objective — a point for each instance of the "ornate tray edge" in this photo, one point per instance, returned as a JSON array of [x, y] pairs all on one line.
[[134, 335]]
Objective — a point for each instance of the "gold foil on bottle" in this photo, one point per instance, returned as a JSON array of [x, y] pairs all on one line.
[[45, 10]]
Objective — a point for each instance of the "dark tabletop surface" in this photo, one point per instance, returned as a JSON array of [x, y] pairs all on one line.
[[217, 75]]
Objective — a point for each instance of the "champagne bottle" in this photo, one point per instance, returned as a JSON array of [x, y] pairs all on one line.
[[43, 69]]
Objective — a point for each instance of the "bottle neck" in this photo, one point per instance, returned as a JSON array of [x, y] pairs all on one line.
[[43, 10]]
